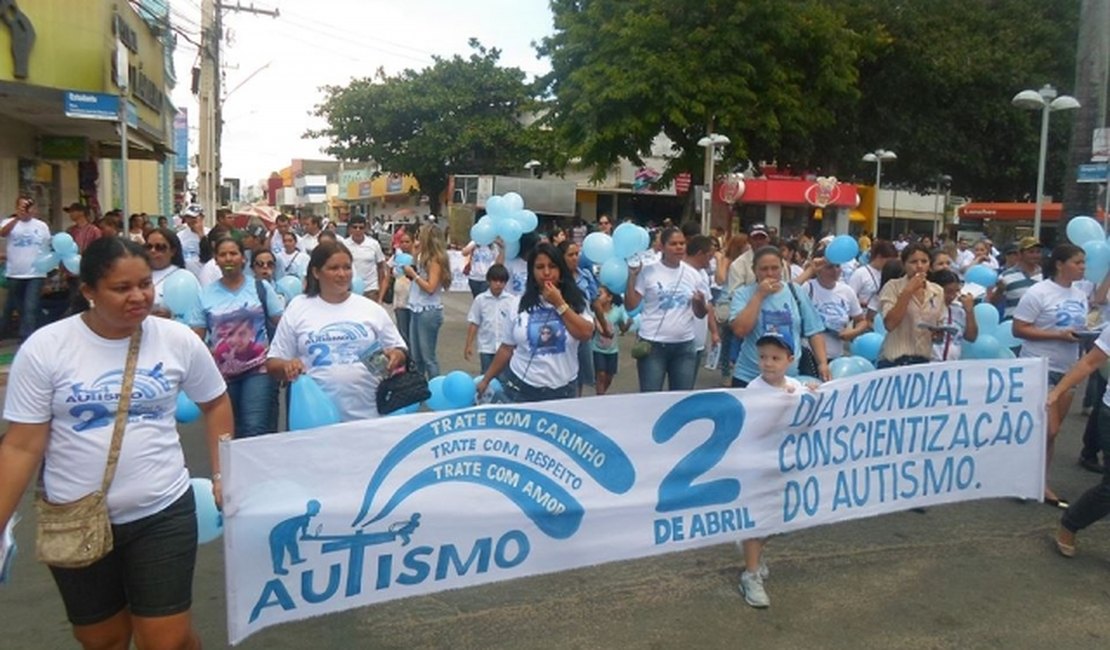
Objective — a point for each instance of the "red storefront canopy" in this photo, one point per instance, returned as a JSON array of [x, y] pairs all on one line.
[[794, 192]]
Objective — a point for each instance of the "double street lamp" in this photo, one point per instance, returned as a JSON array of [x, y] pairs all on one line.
[[1046, 101], [710, 142], [878, 156]]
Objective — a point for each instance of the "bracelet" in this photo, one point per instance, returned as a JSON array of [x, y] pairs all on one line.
[[216, 477]]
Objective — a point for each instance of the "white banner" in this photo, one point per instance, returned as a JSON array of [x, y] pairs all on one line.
[[364, 512]]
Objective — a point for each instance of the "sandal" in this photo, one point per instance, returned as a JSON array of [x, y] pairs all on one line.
[[1065, 549], [1058, 502]]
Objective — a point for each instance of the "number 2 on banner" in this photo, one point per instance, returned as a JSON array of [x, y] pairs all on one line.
[[677, 491]]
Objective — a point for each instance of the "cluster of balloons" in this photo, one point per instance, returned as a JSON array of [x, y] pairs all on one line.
[[995, 339], [455, 390], [64, 251], [849, 366], [612, 252], [505, 218], [1087, 233]]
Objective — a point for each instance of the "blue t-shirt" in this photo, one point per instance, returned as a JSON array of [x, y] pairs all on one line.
[[778, 313], [236, 324]]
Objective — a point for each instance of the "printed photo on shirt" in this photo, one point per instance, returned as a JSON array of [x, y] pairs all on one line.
[[547, 335]]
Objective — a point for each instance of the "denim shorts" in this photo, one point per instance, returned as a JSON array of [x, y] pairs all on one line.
[[1054, 378], [606, 362], [149, 571]]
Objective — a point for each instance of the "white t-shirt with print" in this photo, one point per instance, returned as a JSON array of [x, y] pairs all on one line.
[[26, 242], [190, 250], [518, 276], [792, 385], [839, 307], [667, 315], [365, 258], [492, 314], [330, 340], [1049, 306], [78, 393], [701, 325], [546, 354], [865, 284]]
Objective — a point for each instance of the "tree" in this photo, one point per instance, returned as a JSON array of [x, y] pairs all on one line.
[[457, 116], [765, 72]]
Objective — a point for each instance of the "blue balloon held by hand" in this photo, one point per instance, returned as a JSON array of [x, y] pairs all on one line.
[[438, 400], [310, 406], [614, 274], [210, 523], [842, 249], [63, 245], [187, 410], [402, 259], [458, 389], [982, 275], [598, 247], [290, 286], [45, 263], [868, 346], [72, 264], [1084, 229]]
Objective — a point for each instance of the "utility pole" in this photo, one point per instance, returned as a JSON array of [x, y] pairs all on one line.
[[211, 112]]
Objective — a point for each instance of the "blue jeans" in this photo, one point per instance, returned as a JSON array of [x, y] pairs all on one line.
[[24, 295], [486, 360], [404, 321], [423, 335], [675, 361], [254, 401]]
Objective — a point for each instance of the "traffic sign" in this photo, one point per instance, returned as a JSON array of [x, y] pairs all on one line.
[[1093, 173], [92, 106]]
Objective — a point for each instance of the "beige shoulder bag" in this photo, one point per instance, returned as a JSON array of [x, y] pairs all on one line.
[[76, 534]]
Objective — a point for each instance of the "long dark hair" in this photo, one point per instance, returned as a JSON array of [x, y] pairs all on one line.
[[208, 242], [317, 260], [97, 261], [532, 297], [1062, 253], [177, 258]]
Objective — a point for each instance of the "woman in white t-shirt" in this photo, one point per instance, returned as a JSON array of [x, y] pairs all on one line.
[[291, 260], [481, 257], [164, 250], [1047, 318], [540, 347], [331, 334], [62, 410], [960, 316], [673, 295], [430, 277], [837, 304]]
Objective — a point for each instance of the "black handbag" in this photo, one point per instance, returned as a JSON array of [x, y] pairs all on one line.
[[403, 389]]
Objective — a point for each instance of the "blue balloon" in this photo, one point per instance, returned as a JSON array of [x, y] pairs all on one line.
[[72, 264], [868, 346], [1098, 260], [860, 365], [187, 410], [984, 346], [513, 202], [458, 389], [358, 285], [492, 389], [842, 249], [527, 219], [1084, 229], [508, 230], [438, 400], [483, 232], [406, 410], [402, 259], [512, 249], [645, 238], [495, 205], [289, 286], [180, 292], [626, 241], [598, 247], [210, 523], [841, 367], [614, 274], [310, 406], [982, 275], [1005, 334], [45, 263], [986, 317], [63, 245], [879, 325]]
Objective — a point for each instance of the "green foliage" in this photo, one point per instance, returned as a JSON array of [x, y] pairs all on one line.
[[457, 116]]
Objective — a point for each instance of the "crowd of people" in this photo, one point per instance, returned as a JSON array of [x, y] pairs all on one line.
[[767, 313]]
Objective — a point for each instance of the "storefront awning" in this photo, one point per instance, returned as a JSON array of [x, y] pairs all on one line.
[[1008, 211], [795, 191]]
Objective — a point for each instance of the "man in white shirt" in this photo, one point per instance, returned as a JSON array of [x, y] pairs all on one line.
[[193, 218], [367, 256], [312, 227], [28, 237]]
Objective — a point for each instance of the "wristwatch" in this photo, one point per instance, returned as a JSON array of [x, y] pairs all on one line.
[[562, 309]]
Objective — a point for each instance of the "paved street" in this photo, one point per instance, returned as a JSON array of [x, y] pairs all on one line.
[[974, 575]]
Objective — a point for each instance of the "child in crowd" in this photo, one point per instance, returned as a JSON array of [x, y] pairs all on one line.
[[604, 345], [490, 311], [776, 354], [959, 324]]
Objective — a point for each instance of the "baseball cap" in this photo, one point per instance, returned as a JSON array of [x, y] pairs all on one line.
[[192, 210], [1026, 243], [258, 232], [775, 338], [759, 229]]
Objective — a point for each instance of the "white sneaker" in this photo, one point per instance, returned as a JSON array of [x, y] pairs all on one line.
[[764, 572], [751, 586]]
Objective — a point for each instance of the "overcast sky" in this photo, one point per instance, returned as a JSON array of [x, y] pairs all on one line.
[[318, 42]]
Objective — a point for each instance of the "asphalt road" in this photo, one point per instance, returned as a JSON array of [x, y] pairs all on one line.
[[973, 575]]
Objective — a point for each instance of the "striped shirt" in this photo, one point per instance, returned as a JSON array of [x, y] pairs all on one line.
[[1015, 282]]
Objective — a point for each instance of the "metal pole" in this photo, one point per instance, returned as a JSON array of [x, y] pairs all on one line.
[[1040, 171], [878, 179], [123, 153], [936, 210], [707, 193]]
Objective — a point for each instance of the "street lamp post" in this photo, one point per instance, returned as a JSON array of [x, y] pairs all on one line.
[[1046, 101], [943, 181], [877, 157], [710, 142]]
